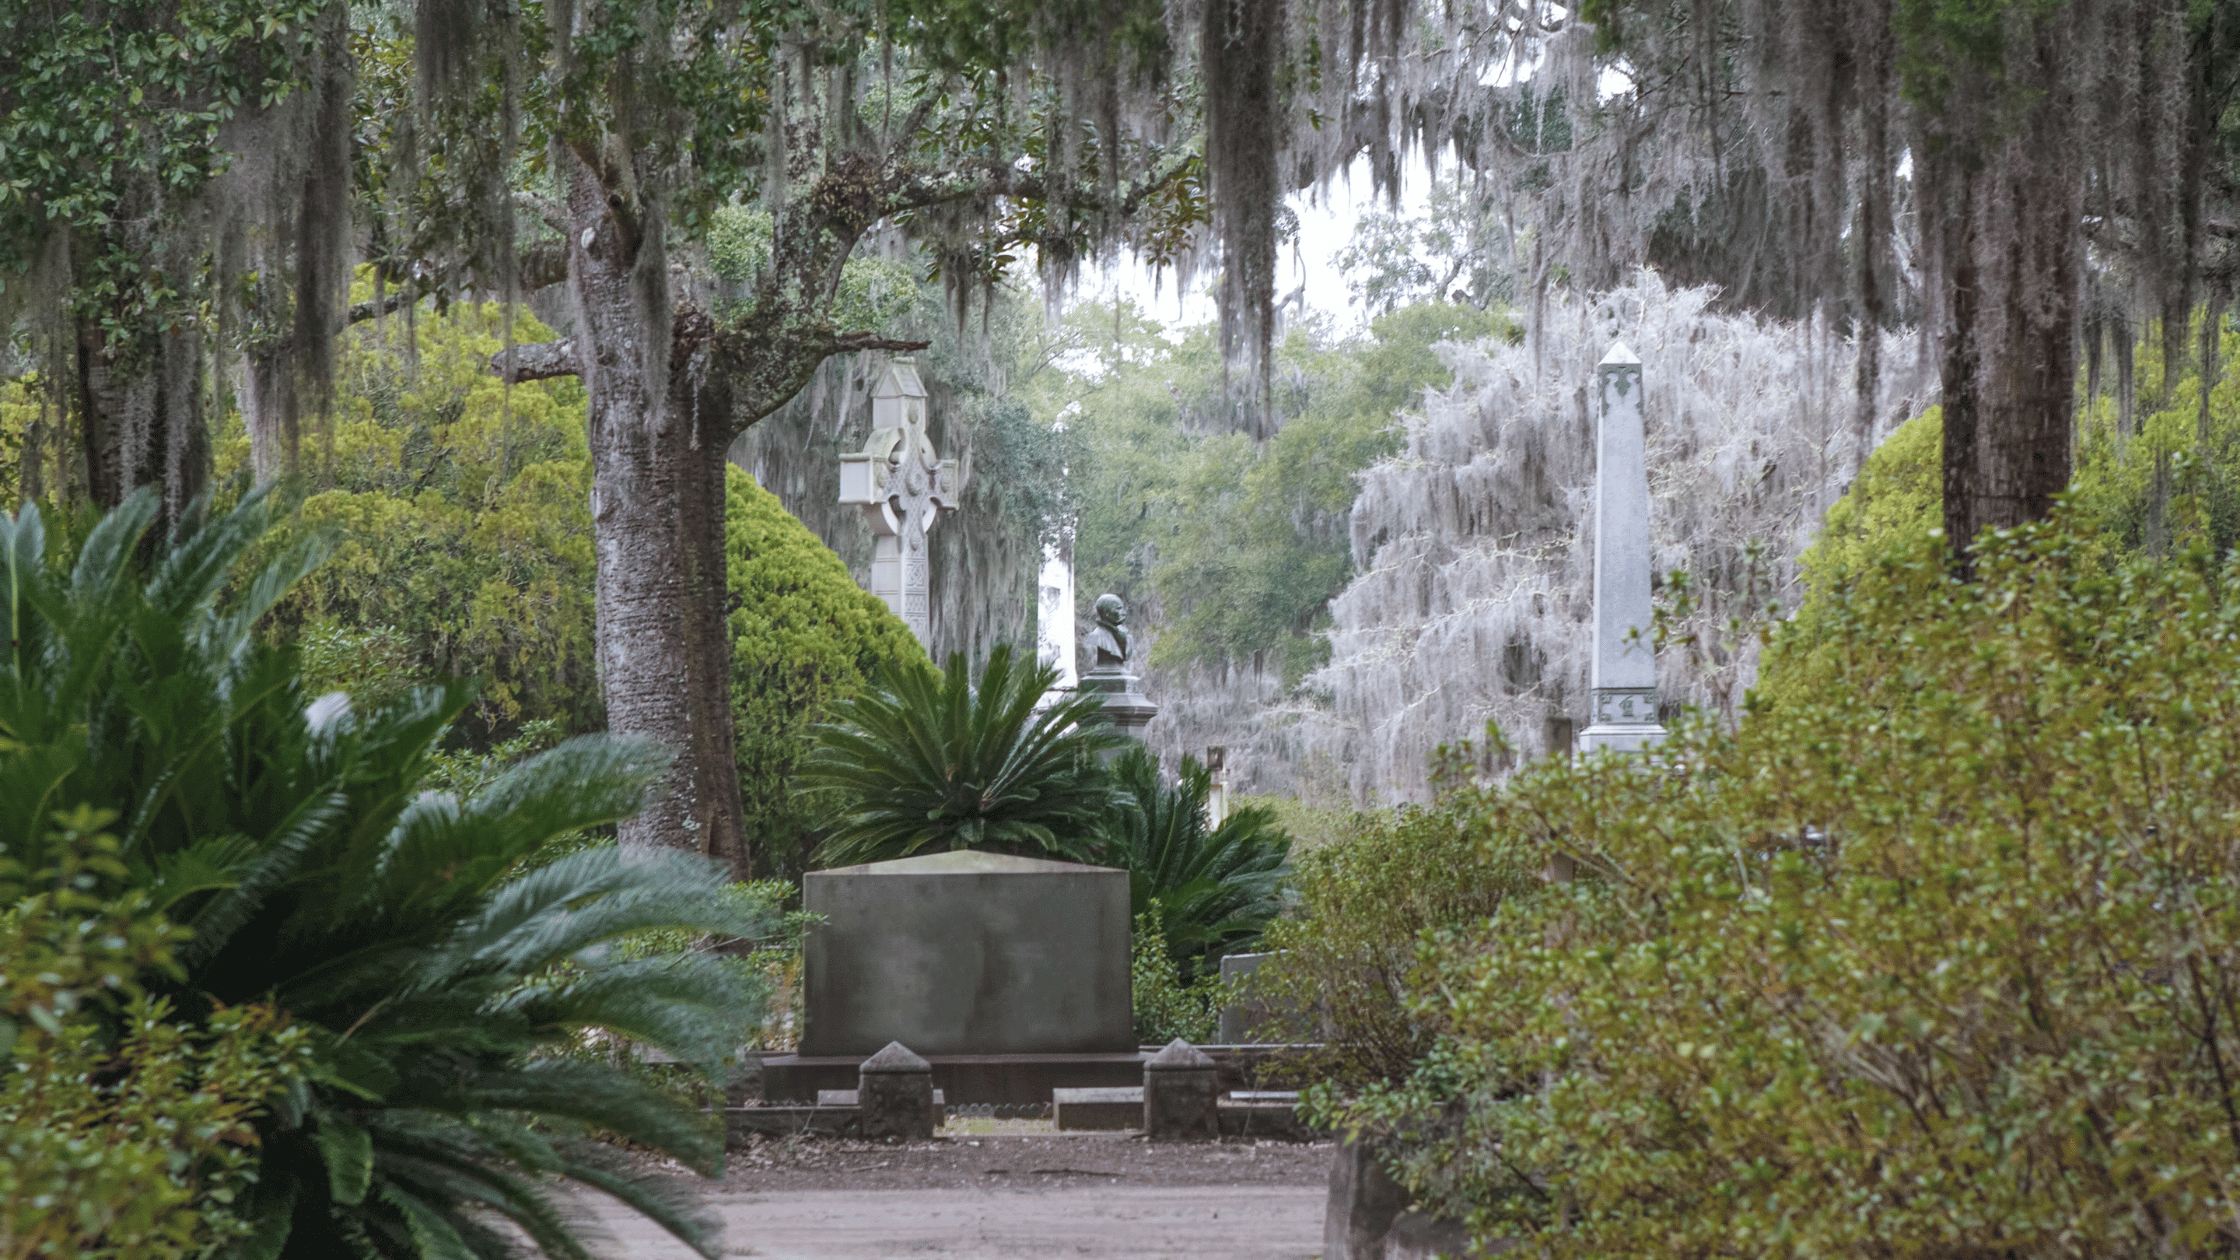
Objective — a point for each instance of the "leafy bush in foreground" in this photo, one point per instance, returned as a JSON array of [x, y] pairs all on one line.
[[435, 975], [123, 1132], [1942, 959]]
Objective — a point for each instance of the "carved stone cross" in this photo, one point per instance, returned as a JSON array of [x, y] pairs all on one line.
[[903, 488]]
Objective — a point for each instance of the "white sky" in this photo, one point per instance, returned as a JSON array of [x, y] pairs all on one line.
[[1324, 230]]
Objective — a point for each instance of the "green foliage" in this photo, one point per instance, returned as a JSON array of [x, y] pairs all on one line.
[[2153, 477], [926, 760], [115, 116], [123, 1130], [803, 636], [1938, 961], [1233, 547], [1347, 949], [436, 975], [456, 515], [1169, 1003], [1209, 891]]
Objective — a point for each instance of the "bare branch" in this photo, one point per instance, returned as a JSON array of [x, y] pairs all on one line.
[[538, 267], [538, 361], [844, 342]]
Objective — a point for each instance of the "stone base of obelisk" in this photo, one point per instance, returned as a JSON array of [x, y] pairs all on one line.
[[1627, 738]]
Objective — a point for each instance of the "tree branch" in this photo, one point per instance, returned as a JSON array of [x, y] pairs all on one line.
[[539, 361], [538, 267]]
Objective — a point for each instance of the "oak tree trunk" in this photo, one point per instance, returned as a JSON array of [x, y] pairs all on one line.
[[659, 424], [2008, 365]]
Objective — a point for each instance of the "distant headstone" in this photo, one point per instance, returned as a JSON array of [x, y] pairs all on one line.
[[1108, 646], [894, 1094], [968, 953], [903, 488], [1181, 1094], [1623, 674]]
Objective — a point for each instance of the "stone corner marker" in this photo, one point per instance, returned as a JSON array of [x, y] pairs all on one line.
[[894, 1094], [1623, 675], [1181, 1094]]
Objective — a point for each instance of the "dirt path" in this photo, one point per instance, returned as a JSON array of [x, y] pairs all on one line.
[[1012, 1197]]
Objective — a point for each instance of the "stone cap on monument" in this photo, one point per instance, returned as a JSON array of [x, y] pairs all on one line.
[[964, 862], [1620, 356], [895, 1058], [1179, 1055]]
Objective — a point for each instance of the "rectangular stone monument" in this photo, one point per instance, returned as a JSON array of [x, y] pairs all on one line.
[[968, 953], [1623, 672], [1008, 974]]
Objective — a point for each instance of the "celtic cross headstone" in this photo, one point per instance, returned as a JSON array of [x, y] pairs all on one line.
[[903, 488]]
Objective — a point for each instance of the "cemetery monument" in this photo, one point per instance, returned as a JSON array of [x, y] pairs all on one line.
[[1623, 673], [903, 488]]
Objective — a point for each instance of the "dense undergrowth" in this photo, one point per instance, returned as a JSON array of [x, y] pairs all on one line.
[[1938, 957]]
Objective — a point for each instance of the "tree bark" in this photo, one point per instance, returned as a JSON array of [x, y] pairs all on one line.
[[2012, 237], [658, 429], [140, 416]]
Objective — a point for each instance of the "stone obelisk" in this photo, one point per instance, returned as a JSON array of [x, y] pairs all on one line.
[[1623, 675]]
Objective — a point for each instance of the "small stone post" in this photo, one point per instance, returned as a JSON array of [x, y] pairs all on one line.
[[1623, 679], [894, 1094], [1181, 1095]]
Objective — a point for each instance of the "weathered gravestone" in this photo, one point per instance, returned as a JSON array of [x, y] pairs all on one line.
[[1008, 974]]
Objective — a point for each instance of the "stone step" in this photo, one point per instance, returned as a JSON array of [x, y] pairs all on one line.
[[1120, 1107]]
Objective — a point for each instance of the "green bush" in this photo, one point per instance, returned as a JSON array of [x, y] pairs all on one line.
[[1169, 1003], [1210, 890], [1346, 950], [1942, 959], [928, 761], [456, 513], [803, 635], [123, 1129], [438, 973]]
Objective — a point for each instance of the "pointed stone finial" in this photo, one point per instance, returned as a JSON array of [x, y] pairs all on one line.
[[1179, 1055], [1620, 356], [896, 1057]]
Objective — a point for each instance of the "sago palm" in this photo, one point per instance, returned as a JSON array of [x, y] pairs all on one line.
[[293, 841], [1215, 887], [927, 761]]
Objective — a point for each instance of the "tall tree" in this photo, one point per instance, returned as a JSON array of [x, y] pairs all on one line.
[[1795, 153], [956, 129], [170, 175]]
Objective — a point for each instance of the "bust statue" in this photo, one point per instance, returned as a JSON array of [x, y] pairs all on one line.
[[1108, 642]]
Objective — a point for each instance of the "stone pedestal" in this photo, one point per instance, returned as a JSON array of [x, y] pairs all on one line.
[[894, 1094], [1127, 708], [1181, 1095]]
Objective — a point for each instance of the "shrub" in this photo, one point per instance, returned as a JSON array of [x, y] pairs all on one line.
[[928, 761], [803, 636], [1346, 950], [1942, 959], [456, 513], [1210, 890], [437, 975], [1169, 1003], [123, 1129]]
